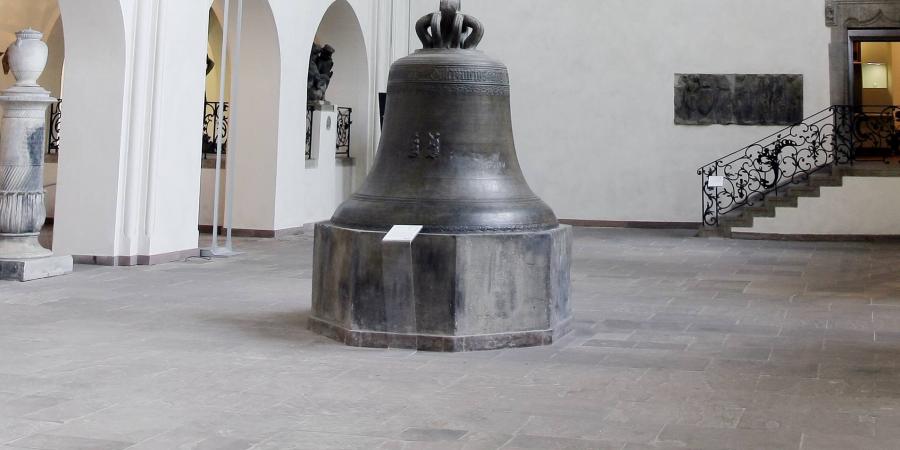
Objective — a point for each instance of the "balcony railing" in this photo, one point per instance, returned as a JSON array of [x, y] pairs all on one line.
[[211, 116], [54, 126], [309, 133], [344, 123]]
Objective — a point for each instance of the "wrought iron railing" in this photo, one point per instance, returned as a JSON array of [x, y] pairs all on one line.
[[54, 127], [309, 131], [868, 131], [789, 156], [211, 115], [344, 120], [834, 136]]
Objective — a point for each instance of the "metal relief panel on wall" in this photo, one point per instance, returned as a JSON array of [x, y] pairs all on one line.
[[743, 99], [703, 99]]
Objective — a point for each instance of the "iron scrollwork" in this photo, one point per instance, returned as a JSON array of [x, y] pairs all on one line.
[[309, 131], [211, 116], [344, 120], [55, 123], [838, 135], [787, 157]]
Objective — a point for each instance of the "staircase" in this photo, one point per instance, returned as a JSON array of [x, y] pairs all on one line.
[[797, 162]]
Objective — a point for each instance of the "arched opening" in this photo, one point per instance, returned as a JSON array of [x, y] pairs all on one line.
[[214, 92], [252, 140], [251, 143], [349, 91], [44, 16]]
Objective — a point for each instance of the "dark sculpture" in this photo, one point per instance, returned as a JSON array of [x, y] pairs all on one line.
[[321, 65]]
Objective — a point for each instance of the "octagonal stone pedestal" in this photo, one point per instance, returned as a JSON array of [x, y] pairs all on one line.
[[445, 292]]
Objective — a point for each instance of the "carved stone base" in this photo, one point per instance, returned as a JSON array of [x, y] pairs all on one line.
[[35, 269], [444, 292], [22, 246], [431, 343]]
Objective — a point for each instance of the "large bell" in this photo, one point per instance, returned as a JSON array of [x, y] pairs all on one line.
[[447, 159], [491, 269]]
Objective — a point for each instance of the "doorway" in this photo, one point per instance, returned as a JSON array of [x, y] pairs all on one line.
[[874, 84]]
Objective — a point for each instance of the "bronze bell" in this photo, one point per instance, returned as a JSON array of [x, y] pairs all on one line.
[[447, 159]]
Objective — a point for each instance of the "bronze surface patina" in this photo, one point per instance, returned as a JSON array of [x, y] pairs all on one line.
[[447, 158]]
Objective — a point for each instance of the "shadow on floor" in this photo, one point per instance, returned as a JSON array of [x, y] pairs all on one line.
[[289, 326]]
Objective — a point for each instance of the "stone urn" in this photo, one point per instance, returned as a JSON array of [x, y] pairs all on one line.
[[27, 57], [22, 148]]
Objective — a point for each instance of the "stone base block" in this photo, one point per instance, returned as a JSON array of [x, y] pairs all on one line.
[[35, 269], [443, 292]]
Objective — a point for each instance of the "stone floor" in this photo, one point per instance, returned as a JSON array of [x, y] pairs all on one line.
[[681, 342]]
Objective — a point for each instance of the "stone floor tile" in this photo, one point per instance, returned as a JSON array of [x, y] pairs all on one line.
[[836, 441], [58, 442], [719, 438], [528, 442], [432, 434]]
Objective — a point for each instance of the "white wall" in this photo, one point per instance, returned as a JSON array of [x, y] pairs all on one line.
[[50, 188], [52, 77], [592, 91], [207, 192], [862, 206]]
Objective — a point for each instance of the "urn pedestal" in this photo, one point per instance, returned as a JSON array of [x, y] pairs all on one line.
[[22, 147]]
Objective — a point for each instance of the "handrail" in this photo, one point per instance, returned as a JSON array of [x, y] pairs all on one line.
[[832, 136], [763, 139], [748, 175]]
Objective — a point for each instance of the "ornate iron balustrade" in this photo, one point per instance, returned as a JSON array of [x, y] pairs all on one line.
[[837, 135], [54, 126], [344, 120], [211, 115], [309, 132], [787, 157], [867, 131]]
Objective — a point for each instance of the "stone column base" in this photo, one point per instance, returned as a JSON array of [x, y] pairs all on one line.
[[460, 292], [35, 269]]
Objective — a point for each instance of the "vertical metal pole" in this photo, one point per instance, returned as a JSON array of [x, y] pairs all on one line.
[[229, 181], [220, 127]]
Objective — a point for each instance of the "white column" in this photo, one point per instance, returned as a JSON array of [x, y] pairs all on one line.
[[150, 197]]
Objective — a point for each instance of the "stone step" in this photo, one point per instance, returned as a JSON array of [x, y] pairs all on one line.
[[788, 196]]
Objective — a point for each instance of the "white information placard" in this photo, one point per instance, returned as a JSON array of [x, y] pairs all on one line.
[[403, 233], [716, 181]]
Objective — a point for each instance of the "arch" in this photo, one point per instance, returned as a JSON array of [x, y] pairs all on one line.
[[254, 134], [341, 28], [95, 40]]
